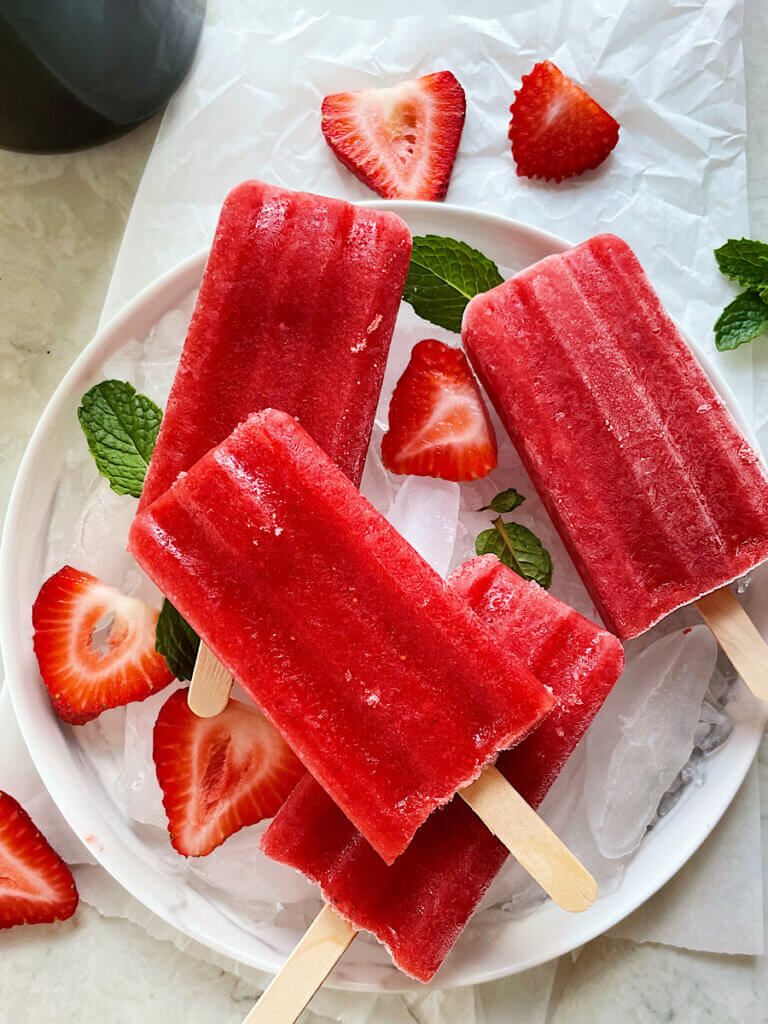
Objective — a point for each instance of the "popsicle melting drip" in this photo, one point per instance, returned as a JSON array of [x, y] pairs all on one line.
[[656, 493], [419, 905], [295, 312], [385, 684]]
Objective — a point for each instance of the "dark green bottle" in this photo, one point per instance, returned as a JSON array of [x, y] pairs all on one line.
[[74, 73]]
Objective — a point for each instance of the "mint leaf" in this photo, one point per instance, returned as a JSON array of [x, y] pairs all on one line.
[[120, 427], [519, 549], [176, 641], [505, 501], [745, 261], [742, 320], [443, 276]]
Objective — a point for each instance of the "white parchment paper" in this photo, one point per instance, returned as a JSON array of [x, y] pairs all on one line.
[[670, 71]]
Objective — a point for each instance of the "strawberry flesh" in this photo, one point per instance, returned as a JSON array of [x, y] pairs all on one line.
[[83, 680], [400, 141], [36, 886], [219, 774], [438, 423], [557, 129]]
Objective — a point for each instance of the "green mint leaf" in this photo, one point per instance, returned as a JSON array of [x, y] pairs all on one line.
[[443, 276], [176, 641], [519, 549], [120, 427], [741, 321], [744, 261], [505, 501]]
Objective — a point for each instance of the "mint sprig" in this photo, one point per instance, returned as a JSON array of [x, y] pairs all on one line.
[[121, 428], [519, 549], [514, 544], [745, 261], [176, 641], [444, 274], [742, 320], [505, 501]]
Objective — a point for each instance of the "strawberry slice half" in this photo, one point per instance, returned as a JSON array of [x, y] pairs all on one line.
[[557, 129], [219, 774], [438, 423], [36, 886], [82, 679], [400, 141]]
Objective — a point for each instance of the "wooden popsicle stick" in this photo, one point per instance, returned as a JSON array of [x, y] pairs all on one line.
[[531, 841], [511, 819], [738, 636], [210, 685], [304, 971]]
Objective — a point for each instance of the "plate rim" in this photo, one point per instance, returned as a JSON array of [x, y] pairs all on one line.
[[111, 337]]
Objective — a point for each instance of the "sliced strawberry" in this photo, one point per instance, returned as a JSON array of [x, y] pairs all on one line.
[[438, 423], [400, 141], [82, 680], [219, 774], [36, 886], [557, 129]]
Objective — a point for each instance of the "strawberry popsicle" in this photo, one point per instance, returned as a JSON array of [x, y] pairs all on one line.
[[384, 683], [655, 492], [419, 905], [295, 311]]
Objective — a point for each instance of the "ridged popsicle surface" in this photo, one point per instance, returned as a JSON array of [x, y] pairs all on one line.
[[386, 685], [295, 312], [419, 905], [653, 488]]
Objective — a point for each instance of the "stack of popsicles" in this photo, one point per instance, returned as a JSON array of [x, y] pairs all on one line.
[[394, 688], [389, 689], [418, 906]]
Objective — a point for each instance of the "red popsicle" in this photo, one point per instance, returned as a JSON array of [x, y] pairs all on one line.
[[419, 905], [652, 486], [295, 312], [384, 683]]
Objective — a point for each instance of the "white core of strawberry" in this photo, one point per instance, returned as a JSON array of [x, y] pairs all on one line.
[[397, 121], [132, 630], [455, 420], [17, 878]]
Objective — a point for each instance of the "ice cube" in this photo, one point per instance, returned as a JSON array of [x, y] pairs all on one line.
[[98, 544], [377, 484], [137, 783], [244, 873], [425, 512], [644, 735], [714, 727], [564, 809]]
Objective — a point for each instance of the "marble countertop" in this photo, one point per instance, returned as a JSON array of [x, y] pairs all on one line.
[[61, 222]]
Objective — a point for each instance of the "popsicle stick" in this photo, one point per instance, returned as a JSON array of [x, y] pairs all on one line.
[[511, 819], [304, 971], [210, 685], [531, 841], [738, 636]]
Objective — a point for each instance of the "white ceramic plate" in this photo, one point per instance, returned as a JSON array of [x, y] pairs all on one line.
[[77, 783]]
